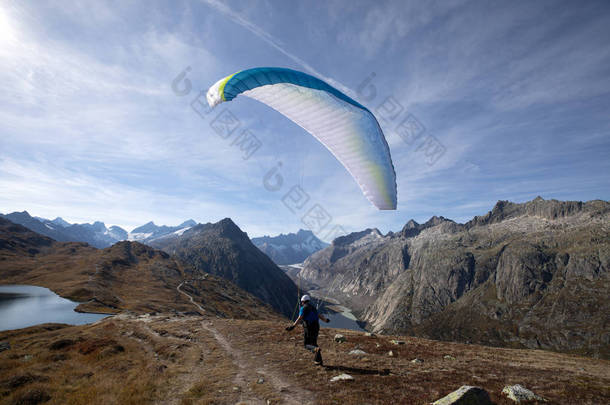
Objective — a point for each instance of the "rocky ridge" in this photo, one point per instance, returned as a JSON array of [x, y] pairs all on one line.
[[226, 251], [529, 275]]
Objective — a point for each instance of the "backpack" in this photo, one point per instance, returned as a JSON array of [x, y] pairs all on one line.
[[310, 314]]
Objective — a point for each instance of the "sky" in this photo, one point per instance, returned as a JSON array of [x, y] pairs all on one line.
[[511, 101]]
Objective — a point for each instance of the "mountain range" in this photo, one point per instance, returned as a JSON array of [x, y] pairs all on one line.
[[221, 249], [530, 275], [175, 319], [289, 248], [126, 276], [96, 234]]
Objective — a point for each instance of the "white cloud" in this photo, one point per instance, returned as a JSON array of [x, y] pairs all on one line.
[[79, 197]]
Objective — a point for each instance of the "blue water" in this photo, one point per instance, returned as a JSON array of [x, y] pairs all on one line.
[[341, 322], [26, 305]]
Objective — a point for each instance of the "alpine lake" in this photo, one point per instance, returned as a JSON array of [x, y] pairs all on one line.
[[26, 305]]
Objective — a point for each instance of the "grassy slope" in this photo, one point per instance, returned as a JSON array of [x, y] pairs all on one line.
[[131, 359], [126, 276]]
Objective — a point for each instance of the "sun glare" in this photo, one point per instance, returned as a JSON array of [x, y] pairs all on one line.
[[7, 31]]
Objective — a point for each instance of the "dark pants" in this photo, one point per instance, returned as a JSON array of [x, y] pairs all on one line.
[[311, 333], [311, 339]]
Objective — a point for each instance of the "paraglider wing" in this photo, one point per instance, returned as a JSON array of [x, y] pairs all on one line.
[[348, 129]]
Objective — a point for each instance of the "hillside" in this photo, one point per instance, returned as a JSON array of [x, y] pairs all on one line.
[[126, 276], [222, 249], [164, 358], [529, 275], [177, 340], [290, 248]]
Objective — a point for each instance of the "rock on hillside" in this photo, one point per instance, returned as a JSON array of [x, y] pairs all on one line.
[[291, 248], [524, 275], [224, 250], [128, 275]]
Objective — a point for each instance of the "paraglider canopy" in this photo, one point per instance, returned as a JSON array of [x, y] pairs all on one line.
[[347, 128]]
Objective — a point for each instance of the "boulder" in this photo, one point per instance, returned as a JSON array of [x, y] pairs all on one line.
[[342, 377], [519, 393], [357, 352], [466, 395], [391, 353], [4, 346], [417, 361], [340, 338], [397, 342], [370, 334], [448, 357]]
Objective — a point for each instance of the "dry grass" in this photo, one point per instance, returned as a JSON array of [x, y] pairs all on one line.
[[142, 359], [76, 365], [559, 378]]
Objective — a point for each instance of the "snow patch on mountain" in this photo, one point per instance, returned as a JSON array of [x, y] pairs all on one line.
[[138, 236], [289, 248]]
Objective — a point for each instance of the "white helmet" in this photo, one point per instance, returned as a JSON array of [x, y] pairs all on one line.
[[305, 298]]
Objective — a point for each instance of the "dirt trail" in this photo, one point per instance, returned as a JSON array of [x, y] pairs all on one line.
[[192, 363], [189, 297], [249, 372]]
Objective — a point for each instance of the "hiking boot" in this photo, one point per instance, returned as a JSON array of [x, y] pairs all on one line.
[[318, 359]]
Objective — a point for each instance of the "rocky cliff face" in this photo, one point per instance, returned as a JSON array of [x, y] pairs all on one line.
[[224, 250], [524, 275], [357, 266]]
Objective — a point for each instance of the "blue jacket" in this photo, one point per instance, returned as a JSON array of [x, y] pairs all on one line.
[[309, 314]]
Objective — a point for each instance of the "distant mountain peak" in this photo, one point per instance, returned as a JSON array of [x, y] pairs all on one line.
[[228, 228], [148, 227], [188, 222], [356, 236], [290, 248], [412, 224], [99, 226], [61, 222]]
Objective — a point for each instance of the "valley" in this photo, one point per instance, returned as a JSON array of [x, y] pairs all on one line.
[[182, 331], [529, 275]]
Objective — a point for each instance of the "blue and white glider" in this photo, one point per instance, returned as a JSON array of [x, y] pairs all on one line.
[[348, 129]]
